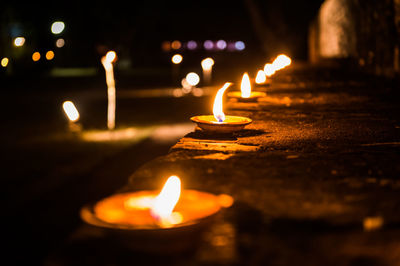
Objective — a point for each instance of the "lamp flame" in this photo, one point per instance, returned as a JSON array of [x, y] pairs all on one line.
[[281, 62], [165, 202], [261, 78], [245, 86], [218, 108], [71, 111], [269, 69]]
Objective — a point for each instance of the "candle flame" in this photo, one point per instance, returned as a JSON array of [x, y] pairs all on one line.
[[165, 202], [269, 69], [245, 86], [281, 62], [71, 111], [261, 78], [218, 108], [207, 63]]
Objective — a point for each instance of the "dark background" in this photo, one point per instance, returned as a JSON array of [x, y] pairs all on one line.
[[136, 29]]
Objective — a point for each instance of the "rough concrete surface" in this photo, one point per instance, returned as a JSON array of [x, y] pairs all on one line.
[[315, 179]]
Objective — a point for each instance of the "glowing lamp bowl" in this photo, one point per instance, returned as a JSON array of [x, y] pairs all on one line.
[[231, 123], [254, 96], [127, 218]]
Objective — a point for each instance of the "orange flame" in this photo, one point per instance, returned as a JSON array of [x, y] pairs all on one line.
[[261, 78], [269, 69], [165, 202], [218, 108], [71, 111], [245, 86], [281, 62]]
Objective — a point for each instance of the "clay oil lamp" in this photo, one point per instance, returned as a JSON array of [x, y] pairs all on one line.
[[246, 94], [170, 220], [219, 123]]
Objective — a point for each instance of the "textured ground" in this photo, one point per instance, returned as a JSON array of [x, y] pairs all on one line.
[[315, 179]]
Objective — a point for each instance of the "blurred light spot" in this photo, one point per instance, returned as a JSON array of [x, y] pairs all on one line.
[[239, 45], [60, 42], [192, 78], [36, 56], [186, 87], [372, 223], [208, 45], [198, 92], [177, 93], [4, 62], [111, 56], [269, 69], [57, 27], [176, 45], [192, 45], [19, 41], [207, 63], [166, 46], [71, 111], [49, 55], [281, 62], [221, 44], [261, 78], [177, 59]]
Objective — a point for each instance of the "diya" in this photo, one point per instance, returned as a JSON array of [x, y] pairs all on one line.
[[218, 122], [157, 222]]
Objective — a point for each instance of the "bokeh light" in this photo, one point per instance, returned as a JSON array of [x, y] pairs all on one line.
[[221, 44], [60, 42], [261, 77], [176, 45], [166, 46], [36, 56], [19, 41], [207, 63], [192, 78], [4, 62], [191, 45], [70, 111], [208, 45], [269, 69], [240, 46], [111, 56], [57, 27], [49, 55], [177, 59]]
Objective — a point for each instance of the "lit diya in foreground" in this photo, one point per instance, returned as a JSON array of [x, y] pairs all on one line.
[[219, 123], [246, 94], [149, 220]]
